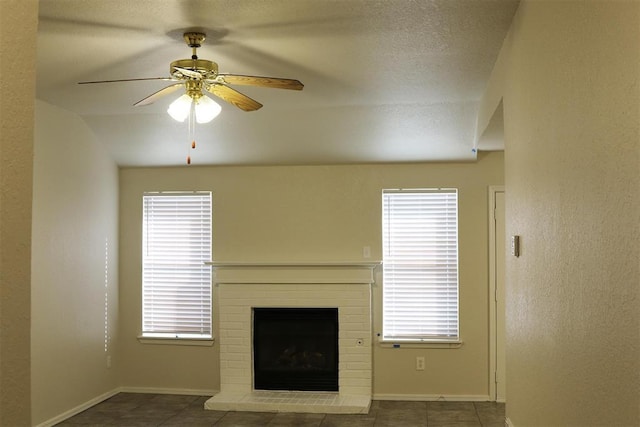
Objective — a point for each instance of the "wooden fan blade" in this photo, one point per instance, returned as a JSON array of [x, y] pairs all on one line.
[[162, 92], [274, 82], [126, 80], [234, 97]]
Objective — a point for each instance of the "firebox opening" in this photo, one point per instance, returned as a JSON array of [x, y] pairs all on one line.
[[295, 349]]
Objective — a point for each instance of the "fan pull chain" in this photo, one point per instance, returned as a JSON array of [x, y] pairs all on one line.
[[191, 130]]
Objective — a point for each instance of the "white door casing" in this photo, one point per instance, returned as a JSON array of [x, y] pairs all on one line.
[[497, 253]]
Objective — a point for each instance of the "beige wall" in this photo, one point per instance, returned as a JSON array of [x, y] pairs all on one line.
[[313, 213], [74, 265], [18, 23], [572, 116]]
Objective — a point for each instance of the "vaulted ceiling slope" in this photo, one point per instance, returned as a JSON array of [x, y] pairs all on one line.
[[384, 80]]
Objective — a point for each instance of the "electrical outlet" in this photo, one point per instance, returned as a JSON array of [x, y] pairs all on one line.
[[420, 363]]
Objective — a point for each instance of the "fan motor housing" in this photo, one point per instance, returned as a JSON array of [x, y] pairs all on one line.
[[208, 69]]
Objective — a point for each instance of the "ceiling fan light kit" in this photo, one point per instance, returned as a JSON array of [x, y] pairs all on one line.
[[200, 76], [205, 109]]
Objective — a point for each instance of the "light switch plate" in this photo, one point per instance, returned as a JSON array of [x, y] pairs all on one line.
[[515, 246]]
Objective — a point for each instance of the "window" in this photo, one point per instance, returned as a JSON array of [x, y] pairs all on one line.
[[420, 274], [176, 284]]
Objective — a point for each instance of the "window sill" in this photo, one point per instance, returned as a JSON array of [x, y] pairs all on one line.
[[420, 344], [199, 342]]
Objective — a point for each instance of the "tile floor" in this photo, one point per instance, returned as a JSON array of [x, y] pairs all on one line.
[[136, 409]]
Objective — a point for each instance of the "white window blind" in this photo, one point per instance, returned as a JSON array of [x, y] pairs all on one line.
[[176, 285], [420, 274]]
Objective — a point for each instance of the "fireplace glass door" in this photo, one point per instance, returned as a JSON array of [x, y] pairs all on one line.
[[295, 349]]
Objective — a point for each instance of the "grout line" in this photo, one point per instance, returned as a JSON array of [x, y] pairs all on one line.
[[475, 408]]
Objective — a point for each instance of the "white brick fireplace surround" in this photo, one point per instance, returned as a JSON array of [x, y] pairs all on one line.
[[239, 287]]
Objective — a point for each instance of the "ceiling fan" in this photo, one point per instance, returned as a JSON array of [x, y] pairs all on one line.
[[196, 75]]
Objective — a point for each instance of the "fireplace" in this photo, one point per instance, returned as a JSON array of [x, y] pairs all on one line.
[[242, 288], [295, 349]]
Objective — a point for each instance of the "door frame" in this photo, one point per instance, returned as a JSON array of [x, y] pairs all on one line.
[[493, 189]]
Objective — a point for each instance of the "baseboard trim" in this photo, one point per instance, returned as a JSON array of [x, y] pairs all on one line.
[[508, 423], [434, 397], [154, 390], [75, 411]]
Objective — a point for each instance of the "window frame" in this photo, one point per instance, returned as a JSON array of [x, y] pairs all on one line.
[[176, 336], [389, 338]]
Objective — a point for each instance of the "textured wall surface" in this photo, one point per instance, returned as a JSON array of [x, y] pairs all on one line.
[[315, 214], [74, 277], [18, 23], [572, 110]]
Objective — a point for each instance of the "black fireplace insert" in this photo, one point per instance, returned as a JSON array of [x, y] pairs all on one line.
[[295, 349]]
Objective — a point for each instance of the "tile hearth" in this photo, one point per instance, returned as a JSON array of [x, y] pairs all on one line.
[[287, 401]]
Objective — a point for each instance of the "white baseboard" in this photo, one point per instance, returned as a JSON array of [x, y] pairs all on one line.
[[154, 390], [75, 411], [434, 397]]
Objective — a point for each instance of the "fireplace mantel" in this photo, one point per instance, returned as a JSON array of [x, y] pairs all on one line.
[[294, 272]]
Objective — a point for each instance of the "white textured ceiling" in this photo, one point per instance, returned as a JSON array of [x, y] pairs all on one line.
[[385, 81]]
